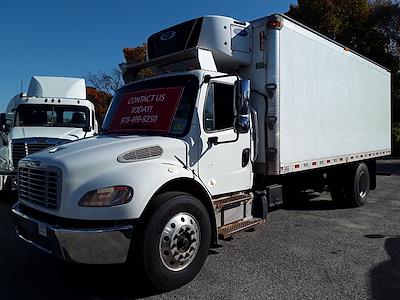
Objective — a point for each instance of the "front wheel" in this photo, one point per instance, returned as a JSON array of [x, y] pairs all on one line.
[[176, 241]]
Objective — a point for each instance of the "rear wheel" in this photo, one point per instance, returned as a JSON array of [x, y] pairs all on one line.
[[357, 192], [350, 186], [176, 241]]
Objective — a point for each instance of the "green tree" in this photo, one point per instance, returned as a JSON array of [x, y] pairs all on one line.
[[396, 137]]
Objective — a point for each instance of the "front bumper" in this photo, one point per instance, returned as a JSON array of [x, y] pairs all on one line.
[[102, 245]]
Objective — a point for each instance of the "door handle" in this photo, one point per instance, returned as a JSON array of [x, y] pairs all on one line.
[[245, 157]]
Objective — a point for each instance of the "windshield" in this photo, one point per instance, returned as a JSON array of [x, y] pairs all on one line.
[[157, 106], [52, 115]]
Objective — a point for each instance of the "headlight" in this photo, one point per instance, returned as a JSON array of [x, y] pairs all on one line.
[[111, 196]]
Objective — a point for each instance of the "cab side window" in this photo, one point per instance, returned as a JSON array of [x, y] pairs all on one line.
[[218, 109]]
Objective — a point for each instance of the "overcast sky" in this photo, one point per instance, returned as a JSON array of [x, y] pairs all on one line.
[[75, 37]]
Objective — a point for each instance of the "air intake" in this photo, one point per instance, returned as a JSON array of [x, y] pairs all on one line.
[[140, 154]]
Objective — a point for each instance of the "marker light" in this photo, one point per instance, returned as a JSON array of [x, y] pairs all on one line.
[[110, 196], [274, 24]]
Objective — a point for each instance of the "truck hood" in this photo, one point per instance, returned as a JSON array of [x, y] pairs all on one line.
[[65, 133], [144, 163], [101, 150]]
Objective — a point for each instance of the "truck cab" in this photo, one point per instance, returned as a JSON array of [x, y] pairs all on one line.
[[54, 111], [177, 147]]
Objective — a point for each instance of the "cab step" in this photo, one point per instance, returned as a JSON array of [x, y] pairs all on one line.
[[227, 231], [232, 208], [231, 200]]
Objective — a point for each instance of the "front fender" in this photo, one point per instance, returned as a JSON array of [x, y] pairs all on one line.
[[165, 174], [144, 177]]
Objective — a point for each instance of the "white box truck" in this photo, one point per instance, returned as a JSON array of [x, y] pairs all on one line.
[[54, 111], [237, 113]]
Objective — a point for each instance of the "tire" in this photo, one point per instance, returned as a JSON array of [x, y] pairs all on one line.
[[176, 241], [358, 189]]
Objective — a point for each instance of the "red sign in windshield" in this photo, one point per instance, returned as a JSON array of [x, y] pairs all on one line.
[[147, 110]]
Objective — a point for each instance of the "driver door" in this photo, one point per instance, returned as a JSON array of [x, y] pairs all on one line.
[[224, 167]]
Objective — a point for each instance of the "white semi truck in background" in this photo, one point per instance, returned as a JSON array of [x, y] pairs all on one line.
[[238, 113], [54, 111]]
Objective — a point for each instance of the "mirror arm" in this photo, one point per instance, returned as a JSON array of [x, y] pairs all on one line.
[[214, 140], [86, 129], [256, 135]]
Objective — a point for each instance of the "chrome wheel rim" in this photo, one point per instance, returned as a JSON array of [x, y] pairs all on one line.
[[363, 184], [179, 241]]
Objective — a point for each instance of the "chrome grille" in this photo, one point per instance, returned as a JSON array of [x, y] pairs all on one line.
[[32, 148], [40, 186], [20, 150]]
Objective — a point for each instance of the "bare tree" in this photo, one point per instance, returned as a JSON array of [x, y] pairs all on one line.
[[103, 85], [106, 82]]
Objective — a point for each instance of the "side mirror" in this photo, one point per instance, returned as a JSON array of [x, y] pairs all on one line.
[[242, 122], [243, 87], [87, 129], [4, 127], [3, 119], [4, 139]]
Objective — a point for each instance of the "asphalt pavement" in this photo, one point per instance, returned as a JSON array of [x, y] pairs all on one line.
[[314, 250]]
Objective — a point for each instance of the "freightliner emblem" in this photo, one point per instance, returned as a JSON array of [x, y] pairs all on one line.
[[33, 163]]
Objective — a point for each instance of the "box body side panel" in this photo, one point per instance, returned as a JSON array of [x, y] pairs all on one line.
[[333, 103]]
